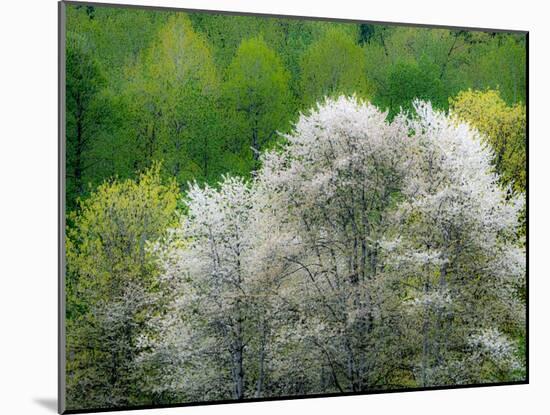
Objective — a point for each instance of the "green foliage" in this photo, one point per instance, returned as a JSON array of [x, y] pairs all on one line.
[[407, 63], [333, 65], [408, 80], [257, 88], [165, 86], [499, 63], [110, 271], [366, 33], [101, 42], [118, 35], [171, 92], [87, 115]]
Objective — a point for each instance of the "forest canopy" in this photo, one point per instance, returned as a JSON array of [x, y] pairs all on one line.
[[268, 207]]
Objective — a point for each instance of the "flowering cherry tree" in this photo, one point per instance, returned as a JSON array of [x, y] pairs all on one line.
[[364, 254], [456, 252]]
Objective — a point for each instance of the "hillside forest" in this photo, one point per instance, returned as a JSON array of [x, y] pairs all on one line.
[[262, 207]]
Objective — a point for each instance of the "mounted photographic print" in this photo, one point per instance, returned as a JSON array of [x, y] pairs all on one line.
[[260, 207]]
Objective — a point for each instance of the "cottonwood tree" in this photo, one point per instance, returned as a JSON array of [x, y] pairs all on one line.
[[171, 91], [289, 38], [257, 89], [331, 66]]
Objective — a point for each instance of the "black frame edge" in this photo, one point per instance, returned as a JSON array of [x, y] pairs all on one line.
[[285, 16], [293, 398]]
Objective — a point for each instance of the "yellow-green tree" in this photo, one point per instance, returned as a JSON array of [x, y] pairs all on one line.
[[333, 65], [257, 89], [111, 286], [504, 128], [172, 93]]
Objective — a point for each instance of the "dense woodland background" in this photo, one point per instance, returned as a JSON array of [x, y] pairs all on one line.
[[168, 115]]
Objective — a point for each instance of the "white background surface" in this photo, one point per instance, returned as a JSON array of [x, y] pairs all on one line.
[[28, 205]]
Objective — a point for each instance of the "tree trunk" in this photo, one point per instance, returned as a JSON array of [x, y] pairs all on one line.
[[255, 144], [425, 341], [261, 364], [238, 370], [79, 149]]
